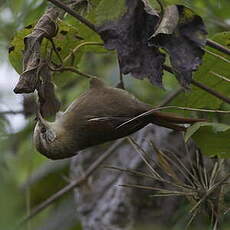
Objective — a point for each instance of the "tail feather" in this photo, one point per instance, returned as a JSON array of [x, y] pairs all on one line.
[[170, 125], [175, 119], [162, 119]]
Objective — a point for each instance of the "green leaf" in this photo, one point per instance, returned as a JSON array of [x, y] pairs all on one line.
[[35, 11], [17, 47], [67, 39], [109, 10], [212, 138], [199, 98], [90, 14]]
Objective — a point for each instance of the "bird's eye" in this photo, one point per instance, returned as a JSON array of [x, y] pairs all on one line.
[[43, 130]]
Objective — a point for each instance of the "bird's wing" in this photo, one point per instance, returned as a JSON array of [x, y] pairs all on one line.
[[112, 121]]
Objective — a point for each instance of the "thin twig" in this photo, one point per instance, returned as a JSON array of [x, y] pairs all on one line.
[[72, 69], [209, 191], [217, 56], [142, 154], [157, 189], [121, 83], [216, 172], [161, 4], [133, 172], [192, 109], [227, 211], [211, 91], [178, 164], [192, 216], [138, 173], [11, 112], [203, 87], [217, 46], [162, 11], [81, 45], [74, 14], [213, 173], [220, 76], [55, 50], [218, 22], [75, 183]]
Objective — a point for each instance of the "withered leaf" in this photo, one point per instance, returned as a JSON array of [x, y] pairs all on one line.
[[129, 35], [29, 78], [48, 101], [182, 34], [29, 105], [46, 27]]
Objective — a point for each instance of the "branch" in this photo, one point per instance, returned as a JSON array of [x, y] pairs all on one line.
[[75, 183], [121, 83], [211, 91], [189, 109], [161, 4], [203, 87], [220, 76], [217, 46], [162, 11], [79, 46], [72, 69], [11, 112], [217, 55], [74, 14]]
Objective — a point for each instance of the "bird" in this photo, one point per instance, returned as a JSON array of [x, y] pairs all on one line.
[[99, 115]]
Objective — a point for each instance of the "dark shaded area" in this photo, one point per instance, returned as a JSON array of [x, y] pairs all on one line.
[[129, 36], [180, 32], [183, 41]]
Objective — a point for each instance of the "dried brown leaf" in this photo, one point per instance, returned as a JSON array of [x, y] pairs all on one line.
[[129, 37], [46, 27]]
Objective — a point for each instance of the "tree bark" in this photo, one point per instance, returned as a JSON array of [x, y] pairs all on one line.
[[103, 205]]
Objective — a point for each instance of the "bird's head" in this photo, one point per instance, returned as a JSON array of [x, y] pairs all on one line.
[[51, 139]]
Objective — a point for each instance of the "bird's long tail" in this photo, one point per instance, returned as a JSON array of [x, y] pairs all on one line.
[[175, 119], [166, 120]]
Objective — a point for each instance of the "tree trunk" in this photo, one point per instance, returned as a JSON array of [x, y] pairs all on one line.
[[103, 205]]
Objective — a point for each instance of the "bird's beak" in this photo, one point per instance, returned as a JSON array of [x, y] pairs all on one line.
[[39, 116], [40, 120]]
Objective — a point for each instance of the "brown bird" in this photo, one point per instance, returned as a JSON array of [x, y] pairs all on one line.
[[101, 114]]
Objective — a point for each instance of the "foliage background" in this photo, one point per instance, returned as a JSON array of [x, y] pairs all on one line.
[[27, 178]]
